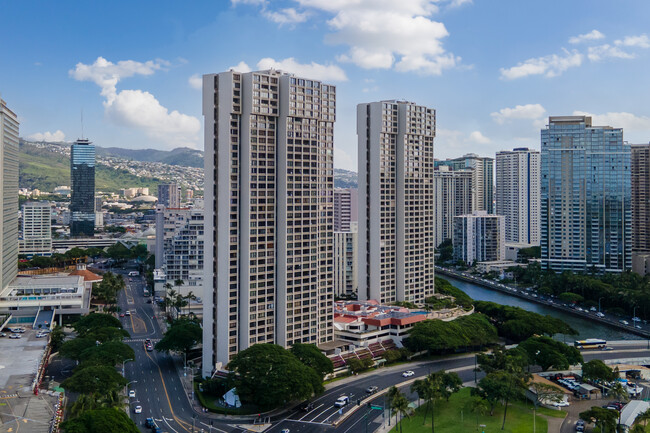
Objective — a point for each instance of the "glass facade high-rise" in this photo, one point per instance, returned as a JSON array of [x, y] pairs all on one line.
[[9, 189], [82, 178], [586, 221]]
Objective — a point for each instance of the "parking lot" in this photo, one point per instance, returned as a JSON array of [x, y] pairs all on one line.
[[19, 359]]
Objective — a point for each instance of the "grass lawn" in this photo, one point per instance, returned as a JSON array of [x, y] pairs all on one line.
[[452, 417]]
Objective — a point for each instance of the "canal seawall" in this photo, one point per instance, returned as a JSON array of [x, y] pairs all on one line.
[[515, 292]]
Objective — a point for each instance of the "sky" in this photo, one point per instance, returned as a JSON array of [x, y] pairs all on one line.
[[494, 70]]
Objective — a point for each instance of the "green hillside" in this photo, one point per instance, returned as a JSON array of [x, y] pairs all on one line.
[[46, 170]]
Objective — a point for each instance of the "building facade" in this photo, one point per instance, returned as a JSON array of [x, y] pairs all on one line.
[[482, 181], [37, 229], [345, 263], [169, 195], [269, 140], [82, 178], [479, 237], [586, 216], [453, 196], [180, 248], [396, 201], [346, 202], [517, 194], [640, 180], [9, 188]]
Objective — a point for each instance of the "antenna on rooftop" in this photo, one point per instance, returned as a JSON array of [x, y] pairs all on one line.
[[82, 123]]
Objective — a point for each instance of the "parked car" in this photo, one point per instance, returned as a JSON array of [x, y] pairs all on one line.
[[408, 373], [561, 403], [15, 336]]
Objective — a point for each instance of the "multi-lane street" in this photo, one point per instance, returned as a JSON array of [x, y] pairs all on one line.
[[159, 391]]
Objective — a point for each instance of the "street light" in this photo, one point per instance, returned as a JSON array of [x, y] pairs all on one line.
[[124, 362], [599, 303], [126, 387]]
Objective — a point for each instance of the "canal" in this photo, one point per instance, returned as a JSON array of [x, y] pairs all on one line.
[[585, 328]]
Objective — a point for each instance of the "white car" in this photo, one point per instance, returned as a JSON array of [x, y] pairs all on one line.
[[127, 313], [132, 393], [138, 409], [341, 401], [624, 322], [562, 403], [408, 373], [599, 314], [636, 319], [15, 336]]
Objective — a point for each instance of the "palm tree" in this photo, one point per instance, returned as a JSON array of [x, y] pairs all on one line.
[[479, 406], [114, 398], [190, 297], [420, 387], [390, 396], [618, 392], [400, 405], [83, 403], [638, 429], [645, 417]]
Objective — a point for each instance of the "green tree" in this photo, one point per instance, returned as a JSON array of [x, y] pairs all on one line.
[[400, 406], [118, 252], [597, 371], [181, 337], [638, 428], [94, 379], [108, 420], [545, 394], [547, 352], [500, 359], [479, 406], [437, 336], [645, 417], [57, 337], [83, 403], [309, 355], [109, 353], [603, 418], [445, 251], [269, 375], [72, 349]]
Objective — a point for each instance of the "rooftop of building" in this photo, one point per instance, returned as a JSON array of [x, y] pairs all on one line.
[[50, 284], [373, 313]]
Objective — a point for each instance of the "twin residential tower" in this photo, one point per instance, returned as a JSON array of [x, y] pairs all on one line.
[[269, 209]]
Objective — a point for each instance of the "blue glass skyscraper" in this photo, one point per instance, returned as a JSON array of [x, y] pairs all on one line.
[[586, 221], [82, 174]]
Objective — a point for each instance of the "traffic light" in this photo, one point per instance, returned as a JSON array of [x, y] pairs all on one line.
[[358, 402]]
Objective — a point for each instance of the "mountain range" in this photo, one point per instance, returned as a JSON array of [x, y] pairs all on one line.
[[179, 156]]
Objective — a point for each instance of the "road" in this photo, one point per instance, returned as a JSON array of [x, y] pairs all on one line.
[[159, 390]]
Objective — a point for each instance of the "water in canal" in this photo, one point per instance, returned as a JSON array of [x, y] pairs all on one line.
[[585, 328]]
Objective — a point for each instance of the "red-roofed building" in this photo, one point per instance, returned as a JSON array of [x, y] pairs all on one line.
[[362, 323], [89, 277]]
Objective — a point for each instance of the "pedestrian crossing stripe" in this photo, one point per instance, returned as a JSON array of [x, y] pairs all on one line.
[[140, 340]]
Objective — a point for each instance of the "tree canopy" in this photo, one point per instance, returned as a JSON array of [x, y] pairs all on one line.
[[110, 420], [598, 371], [547, 353], [94, 379], [269, 375], [309, 355], [93, 321], [517, 324], [182, 336], [437, 336], [109, 353]]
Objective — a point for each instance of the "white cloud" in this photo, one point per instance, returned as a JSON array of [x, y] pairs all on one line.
[[640, 41], [286, 16], [195, 81], [378, 33], [593, 35], [601, 52], [136, 108], [241, 67], [343, 160], [457, 3], [628, 121], [478, 138], [55, 136], [528, 111], [549, 66], [311, 70]]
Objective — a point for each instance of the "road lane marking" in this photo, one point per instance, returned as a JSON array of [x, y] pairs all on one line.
[[307, 414], [321, 414], [166, 394]]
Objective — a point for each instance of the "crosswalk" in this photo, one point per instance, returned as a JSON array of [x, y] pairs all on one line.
[[140, 340]]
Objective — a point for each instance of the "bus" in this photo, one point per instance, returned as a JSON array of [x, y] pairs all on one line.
[[590, 343]]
